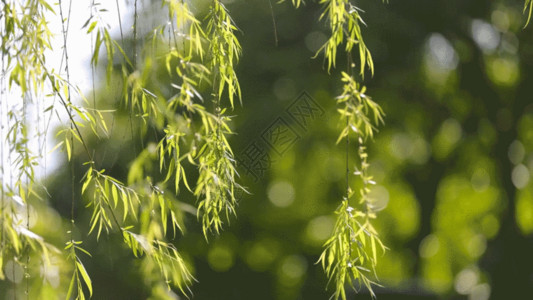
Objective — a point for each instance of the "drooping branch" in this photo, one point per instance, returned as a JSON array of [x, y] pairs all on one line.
[[350, 255]]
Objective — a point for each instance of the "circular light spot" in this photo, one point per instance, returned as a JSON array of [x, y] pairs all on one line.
[[281, 194], [465, 281], [452, 131], [284, 88], [401, 146], [292, 269], [50, 273], [503, 71], [485, 36], [378, 198], [315, 40], [516, 152], [319, 229], [421, 151], [480, 180], [500, 20], [480, 292], [520, 176], [429, 246], [441, 53], [476, 246], [13, 271], [261, 254], [220, 258], [490, 226]]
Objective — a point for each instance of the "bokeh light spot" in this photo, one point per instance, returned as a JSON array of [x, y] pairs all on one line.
[[285, 88], [319, 229], [13, 271], [401, 146], [503, 71], [281, 193], [315, 40], [429, 246], [261, 254], [292, 269], [485, 36], [446, 139], [378, 198], [516, 152], [441, 53], [220, 258], [480, 180], [524, 211], [520, 176], [480, 292], [465, 281], [476, 245], [500, 19], [490, 226]]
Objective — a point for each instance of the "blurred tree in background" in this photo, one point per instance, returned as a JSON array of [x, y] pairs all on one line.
[[452, 163]]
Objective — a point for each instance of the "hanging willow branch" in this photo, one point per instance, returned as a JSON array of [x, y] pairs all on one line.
[[224, 50], [351, 253], [216, 184], [344, 21], [25, 38]]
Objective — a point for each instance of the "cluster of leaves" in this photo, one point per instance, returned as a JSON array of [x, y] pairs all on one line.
[[205, 147], [162, 255], [216, 183], [193, 134], [200, 56], [79, 116], [224, 51], [361, 113], [25, 38], [17, 239], [108, 192], [80, 277], [96, 23], [352, 252], [350, 255], [344, 21]]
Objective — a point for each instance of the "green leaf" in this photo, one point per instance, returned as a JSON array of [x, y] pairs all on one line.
[[92, 26], [115, 194], [528, 6], [85, 276], [163, 213], [69, 150], [71, 286], [83, 250]]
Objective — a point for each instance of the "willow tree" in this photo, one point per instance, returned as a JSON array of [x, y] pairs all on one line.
[[189, 114]]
